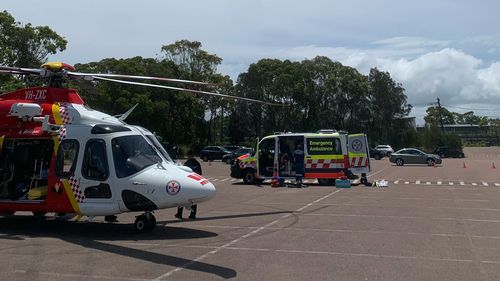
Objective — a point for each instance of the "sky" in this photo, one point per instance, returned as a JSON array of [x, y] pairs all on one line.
[[443, 48]]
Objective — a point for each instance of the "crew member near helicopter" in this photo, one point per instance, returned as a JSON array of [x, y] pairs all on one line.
[[196, 167]]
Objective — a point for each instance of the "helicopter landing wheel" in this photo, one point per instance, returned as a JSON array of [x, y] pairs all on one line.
[[145, 222], [152, 220]]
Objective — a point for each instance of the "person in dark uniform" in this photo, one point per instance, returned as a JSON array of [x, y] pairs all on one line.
[[196, 167], [298, 156]]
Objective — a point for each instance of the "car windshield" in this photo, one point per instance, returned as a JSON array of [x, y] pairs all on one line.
[[132, 154], [160, 148]]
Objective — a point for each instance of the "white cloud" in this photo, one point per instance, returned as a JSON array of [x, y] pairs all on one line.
[[426, 71]]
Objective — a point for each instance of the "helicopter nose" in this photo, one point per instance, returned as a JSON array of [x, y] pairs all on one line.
[[210, 190]]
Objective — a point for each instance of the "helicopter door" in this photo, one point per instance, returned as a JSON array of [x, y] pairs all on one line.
[[95, 174]]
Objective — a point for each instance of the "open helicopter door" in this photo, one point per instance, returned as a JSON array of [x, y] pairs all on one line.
[[359, 157], [95, 180]]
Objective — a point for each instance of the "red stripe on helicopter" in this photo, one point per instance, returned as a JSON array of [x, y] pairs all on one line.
[[198, 178]]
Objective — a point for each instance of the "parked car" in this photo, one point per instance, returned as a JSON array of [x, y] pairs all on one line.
[[231, 148], [377, 154], [212, 153], [414, 156], [387, 149], [444, 151], [230, 157]]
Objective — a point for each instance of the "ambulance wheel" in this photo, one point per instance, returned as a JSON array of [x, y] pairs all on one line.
[[142, 224], [363, 180], [326, 182], [39, 214], [249, 177]]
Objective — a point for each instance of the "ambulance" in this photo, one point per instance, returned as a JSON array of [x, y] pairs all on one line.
[[327, 155]]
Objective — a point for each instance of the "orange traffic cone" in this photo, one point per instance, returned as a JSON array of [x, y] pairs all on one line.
[[493, 166], [464, 166]]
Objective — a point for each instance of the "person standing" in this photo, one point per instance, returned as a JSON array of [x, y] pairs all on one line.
[[196, 167], [298, 156]]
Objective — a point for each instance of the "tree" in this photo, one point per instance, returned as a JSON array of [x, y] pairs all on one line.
[[26, 45], [435, 113]]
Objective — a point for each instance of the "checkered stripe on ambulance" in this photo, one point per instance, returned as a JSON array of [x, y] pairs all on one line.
[[359, 161]]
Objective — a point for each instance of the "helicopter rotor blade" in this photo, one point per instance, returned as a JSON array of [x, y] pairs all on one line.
[[186, 90], [20, 70], [90, 76]]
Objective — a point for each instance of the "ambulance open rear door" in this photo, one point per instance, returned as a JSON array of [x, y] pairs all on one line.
[[359, 157]]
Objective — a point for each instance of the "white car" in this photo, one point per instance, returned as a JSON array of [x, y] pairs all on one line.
[[385, 148]]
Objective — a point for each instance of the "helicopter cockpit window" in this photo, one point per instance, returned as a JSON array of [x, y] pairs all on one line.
[[66, 158], [95, 163], [132, 154], [160, 148]]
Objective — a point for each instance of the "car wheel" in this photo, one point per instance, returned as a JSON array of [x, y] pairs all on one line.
[[249, 176], [204, 158], [377, 157], [399, 162], [430, 162], [441, 155], [461, 155], [228, 161]]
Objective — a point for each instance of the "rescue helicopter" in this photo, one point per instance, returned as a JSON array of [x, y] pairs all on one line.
[[60, 156]]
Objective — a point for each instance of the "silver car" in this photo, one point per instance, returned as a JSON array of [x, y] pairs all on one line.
[[414, 156]]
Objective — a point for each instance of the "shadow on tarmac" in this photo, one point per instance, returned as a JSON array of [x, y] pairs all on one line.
[[87, 234], [226, 217]]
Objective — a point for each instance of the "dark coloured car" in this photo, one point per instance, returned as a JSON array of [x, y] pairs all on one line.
[[414, 156], [444, 151], [230, 157], [377, 154], [210, 153], [231, 148]]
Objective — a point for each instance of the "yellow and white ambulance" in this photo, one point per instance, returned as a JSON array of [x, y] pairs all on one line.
[[327, 155]]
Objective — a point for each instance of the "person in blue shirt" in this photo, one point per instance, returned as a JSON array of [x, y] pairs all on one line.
[[298, 156]]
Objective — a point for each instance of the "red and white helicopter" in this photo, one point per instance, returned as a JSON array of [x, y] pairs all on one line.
[[58, 155]]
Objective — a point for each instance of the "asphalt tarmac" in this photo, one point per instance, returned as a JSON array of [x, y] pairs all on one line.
[[430, 223]]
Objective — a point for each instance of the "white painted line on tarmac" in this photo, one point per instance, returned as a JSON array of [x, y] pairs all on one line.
[[474, 184], [485, 184], [226, 179], [497, 184], [209, 178], [234, 180], [462, 183], [439, 182], [358, 255], [417, 182], [376, 173], [255, 231], [215, 179], [396, 182], [407, 182], [401, 217], [428, 182], [451, 183]]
